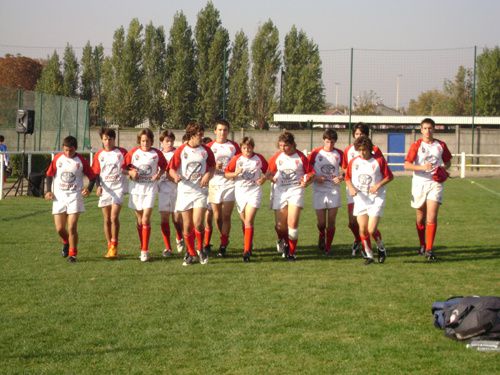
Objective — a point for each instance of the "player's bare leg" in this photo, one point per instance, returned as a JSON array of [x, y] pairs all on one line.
[[177, 220], [165, 232], [372, 229], [330, 228], [199, 229], [115, 229], [364, 234], [248, 217], [144, 218], [354, 227], [431, 228], [321, 225], [60, 224], [420, 225], [281, 227], [293, 231], [72, 221]]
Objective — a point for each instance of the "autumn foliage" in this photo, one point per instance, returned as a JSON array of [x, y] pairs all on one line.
[[19, 72]]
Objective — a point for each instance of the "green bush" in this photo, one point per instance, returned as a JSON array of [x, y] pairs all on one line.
[[39, 163]]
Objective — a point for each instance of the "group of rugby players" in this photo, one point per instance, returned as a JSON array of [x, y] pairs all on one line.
[[201, 180]]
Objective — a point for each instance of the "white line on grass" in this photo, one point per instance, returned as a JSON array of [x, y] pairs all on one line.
[[485, 188]]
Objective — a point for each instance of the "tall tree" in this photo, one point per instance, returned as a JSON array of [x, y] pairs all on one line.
[[429, 103], [488, 87], [238, 92], [113, 85], [459, 92], [180, 67], [87, 76], [302, 85], [19, 72], [265, 66], [70, 72], [212, 48], [51, 80], [366, 103], [154, 73]]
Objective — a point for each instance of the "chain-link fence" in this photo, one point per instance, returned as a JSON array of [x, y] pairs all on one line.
[[55, 118]]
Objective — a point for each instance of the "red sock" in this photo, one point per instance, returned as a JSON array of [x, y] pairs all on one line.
[[421, 233], [178, 235], [292, 245], [199, 240], [189, 241], [146, 232], [139, 231], [165, 232], [321, 233], [248, 239], [208, 236], [224, 239], [430, 234], [73, 251], [330, 233], [367, 245], [377, 236], [64, 240], [114, 243]]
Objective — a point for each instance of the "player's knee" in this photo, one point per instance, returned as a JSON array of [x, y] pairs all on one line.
[[293, 233]]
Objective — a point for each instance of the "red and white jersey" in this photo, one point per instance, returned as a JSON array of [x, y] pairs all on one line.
[[191, 164], [420, 153], [350, 153], [223, 153], [252, 167], [326, 164], [109, 166], [148, 164], [365, 173], [68, 173], [166, 185], [289, 170]]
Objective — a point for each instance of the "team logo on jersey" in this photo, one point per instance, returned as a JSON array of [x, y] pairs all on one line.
[[248, 175], [288, 175], [110, 169], [364, 182], [204, 154], [145, 170], [193, 170], [68, 177], [184, 155], [328, 170], [320, 158], [424, 150], [280, 162], [136, 157]]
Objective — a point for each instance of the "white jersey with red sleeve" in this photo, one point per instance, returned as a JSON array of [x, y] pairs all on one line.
[[420, 153], [252, 169], [350, 153], [366, 173], [191, 164], [109, 166], [148, 164], [166, 185], [326, 164], [223, 153], [288, 170], [68, 174]]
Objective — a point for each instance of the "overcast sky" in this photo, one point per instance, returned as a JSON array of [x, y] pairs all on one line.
[[35, 27]]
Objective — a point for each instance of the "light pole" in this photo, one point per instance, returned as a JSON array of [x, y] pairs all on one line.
[[398, 79], [337, 84]]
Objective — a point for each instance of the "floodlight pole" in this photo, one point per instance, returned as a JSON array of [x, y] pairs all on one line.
[[350, 96]]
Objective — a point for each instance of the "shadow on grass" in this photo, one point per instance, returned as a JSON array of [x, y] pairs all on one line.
[[24, 216]]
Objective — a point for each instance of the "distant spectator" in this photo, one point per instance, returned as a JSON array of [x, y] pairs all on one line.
[[3, 148]]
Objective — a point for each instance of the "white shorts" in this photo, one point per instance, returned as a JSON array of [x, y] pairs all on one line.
[[69, 203], [189, 200], [220, 193], [368, 205], [248, 196], [287, 195], [109, 197], [326, 199], [140, 202], [166, 201], [422, 191]]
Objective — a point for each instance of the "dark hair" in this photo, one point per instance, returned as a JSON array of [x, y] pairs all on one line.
[[107, 131], [363, 141], [193, 128], [247, 141], [222, 121], [330, 134], [167, 134], [2, 138], [148, 133], [365, 130], [206, 140], [287, 137], [428, 120], [185, 138], [70, 141]]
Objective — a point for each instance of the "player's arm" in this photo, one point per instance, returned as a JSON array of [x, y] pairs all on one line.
[[87, 171], [231, 171], [348, 180], [386, 172], [210, 168]]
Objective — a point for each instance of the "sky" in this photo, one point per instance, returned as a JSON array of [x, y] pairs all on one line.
[[35, 28]]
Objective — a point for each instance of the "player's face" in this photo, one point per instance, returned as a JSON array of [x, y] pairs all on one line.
[[427, 131], [221, 133], [247, 150], [108, 143], [328, 144], [145, 143], [195, 140], [364, 152], [69, 152], [358, 133], [287, 148], [167, 144]]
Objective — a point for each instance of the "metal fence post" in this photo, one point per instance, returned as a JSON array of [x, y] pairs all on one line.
[[462, 164], [1, 175]]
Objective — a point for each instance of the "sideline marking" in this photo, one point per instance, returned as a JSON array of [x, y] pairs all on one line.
[[485, 188]]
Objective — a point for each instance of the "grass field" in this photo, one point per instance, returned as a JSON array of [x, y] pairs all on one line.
[[315, 316]]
